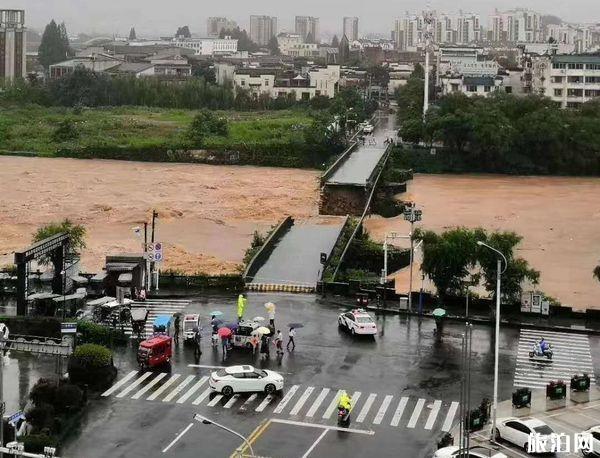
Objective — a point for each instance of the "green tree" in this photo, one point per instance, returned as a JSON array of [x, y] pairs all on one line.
[[596, 272], [206, 124], [244, 41], [449, 257], [379, 75], [76, 243], [274, 46], [517, 269], [132, 35], [183, 32], [54, 46]]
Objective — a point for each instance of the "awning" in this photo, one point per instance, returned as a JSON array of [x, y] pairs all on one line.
[[69, 297], [120, 266], [99, 277], [79, 279], [41, 296], [125, 277]]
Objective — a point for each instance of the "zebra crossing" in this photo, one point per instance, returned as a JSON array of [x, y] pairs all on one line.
[[571, 356], [155, 308], [298, 401]]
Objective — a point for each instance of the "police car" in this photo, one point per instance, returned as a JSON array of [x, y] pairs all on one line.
[[357, 322]]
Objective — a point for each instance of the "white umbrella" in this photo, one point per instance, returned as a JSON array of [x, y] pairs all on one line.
[[270, 306], [258, 318]]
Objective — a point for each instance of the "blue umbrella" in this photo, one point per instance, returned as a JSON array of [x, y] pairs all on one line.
[[216, 313], [232, 326]]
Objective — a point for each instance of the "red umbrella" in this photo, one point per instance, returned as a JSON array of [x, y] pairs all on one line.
[[224, 332]]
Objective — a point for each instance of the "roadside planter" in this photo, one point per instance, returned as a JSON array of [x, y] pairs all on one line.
[[556, 390], [521, 398], [580, 382], [476, 420]]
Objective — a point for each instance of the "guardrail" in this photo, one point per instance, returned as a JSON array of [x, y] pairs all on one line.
[[261, 256]]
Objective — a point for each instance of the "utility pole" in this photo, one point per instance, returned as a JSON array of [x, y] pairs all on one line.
[[412, 215], [147, 279], [152, 264], [429, 19]]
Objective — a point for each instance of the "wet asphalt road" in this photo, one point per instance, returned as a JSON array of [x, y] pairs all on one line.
[[405, 363]]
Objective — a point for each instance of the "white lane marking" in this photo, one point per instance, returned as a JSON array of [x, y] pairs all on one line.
[[264, 403], [546, 334], [202, 396], [383, 409], [315, 443], [355, 398], [179, 388], [317, 425], [136, 383], [187, 428], [433, 414], [334, 403], [450, 416], [119, 384], [153, 382], [249, 401], [399, 411], [287, 398], [231, 401], [317, 403], [302, 400], [215, 400], [203, 366], [192, 390], [163, 387], [416, 412], [365, 410]]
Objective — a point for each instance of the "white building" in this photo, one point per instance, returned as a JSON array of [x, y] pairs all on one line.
[[207, 46], [471, 85], [307, 50], [287, 41], [465, 60], [262, 29], [13, 44], [305, 25], [350, 28], [569, 80], [215, 24], [516, 26], [579, 37]]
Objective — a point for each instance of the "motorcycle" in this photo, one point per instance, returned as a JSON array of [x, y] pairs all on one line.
[[538, 352], [343, 416]]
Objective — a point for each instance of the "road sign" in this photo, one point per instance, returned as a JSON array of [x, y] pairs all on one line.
[[323, 258], [154, 252], [68, 328]]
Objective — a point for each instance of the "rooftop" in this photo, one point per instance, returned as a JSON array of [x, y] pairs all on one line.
[[576, 59]]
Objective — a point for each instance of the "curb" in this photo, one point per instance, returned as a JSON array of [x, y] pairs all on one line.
[[272, 287]]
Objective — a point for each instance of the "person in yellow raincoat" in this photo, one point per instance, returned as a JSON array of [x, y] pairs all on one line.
[[241, 306], [345, 402]]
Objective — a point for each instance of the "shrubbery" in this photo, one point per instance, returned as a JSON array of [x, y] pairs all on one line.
[[92, 365], [93, 356], [93, 333]]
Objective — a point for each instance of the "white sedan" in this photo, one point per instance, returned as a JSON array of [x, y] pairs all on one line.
[[517, 431], [357, 322], [474, 452], [244, 379]]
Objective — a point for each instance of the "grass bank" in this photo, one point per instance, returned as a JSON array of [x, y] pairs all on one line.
[[140, 133]]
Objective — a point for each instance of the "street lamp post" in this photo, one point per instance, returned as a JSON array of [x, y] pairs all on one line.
[[207, 421], [499, 273], [412, 215], [384, 272]]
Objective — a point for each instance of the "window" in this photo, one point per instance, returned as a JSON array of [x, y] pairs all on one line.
[[557, 79], [575, 67], [243, 83], [596, 435], [575, 92], [557, 92], [266, 82], [454, 87], [486, 88], [573, 104], [592, 93], [350, 316], [508, 89], [252, 375], [364, 319], [575, 79], [238, 375], [592, 79], [557, 65], [471, 88]]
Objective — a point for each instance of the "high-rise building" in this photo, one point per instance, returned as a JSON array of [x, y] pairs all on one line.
[[214, 25], [262, 29], [306, 25], [351, 28], [516, 26], [12, 44]]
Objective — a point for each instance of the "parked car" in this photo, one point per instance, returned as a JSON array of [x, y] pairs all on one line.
[[368, 129], [357, 321], [474, 452], [243, 334], [244, 379], [517, 431], [594, 431]]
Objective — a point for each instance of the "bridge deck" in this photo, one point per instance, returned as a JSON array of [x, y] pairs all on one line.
[[295, 258], [359, 166]]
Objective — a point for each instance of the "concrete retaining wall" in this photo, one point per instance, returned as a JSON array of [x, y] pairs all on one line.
[[265, 251]]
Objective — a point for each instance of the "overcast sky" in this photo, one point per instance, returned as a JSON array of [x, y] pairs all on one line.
[[151, 17]]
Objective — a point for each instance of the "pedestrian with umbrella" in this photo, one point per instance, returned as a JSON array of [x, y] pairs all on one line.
[[197, 340], [264, 341], [438, 315], [271, 310], [279, 343], [224, 333], [241, 306]]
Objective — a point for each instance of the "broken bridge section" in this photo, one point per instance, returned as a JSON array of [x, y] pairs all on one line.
[[347, 185], [290, 261]]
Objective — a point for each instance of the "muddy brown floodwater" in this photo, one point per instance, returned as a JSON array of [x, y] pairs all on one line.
[[207, 214], [558, 218]]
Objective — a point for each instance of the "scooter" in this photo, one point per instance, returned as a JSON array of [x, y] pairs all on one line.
[[537, 352], [343, 416]]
